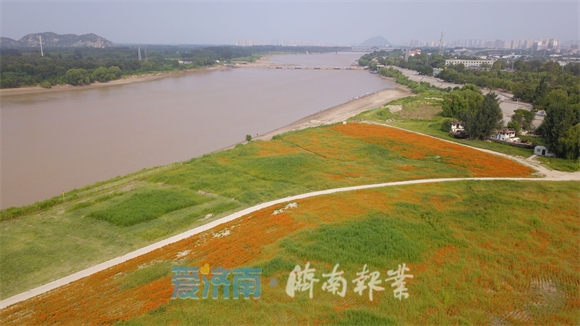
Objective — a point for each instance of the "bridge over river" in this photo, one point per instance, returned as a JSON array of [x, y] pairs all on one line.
[[292, 66]]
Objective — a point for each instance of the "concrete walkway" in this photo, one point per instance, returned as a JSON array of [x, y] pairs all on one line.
[[100, 267]]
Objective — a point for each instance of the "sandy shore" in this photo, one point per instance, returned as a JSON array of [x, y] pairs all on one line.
[[122, 81], [341, 112]]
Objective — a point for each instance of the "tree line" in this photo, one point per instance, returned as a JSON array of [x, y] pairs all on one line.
[[546, 84], [82, 66], [424, 63]]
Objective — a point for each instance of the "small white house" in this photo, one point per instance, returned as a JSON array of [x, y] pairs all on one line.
[[505, 134], [542, 151], [456, 126]]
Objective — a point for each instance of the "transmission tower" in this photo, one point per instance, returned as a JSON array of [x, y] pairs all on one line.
[[441, 44]]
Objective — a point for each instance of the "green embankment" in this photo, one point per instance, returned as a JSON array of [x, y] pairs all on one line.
[[480, 252], [421, 113], [98, 223]]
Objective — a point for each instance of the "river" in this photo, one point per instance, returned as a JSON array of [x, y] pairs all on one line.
[[57, 141]]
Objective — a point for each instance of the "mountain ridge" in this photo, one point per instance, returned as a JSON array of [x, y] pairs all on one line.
[[376, 41], [54, 40]]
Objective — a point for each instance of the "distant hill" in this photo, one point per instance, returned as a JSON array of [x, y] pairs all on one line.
[[8, 42], [376, 41], [53, 40]]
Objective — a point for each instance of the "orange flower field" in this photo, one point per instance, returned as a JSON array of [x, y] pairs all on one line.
[[415, 146], [512, 271], [99, 299], [477, 254]]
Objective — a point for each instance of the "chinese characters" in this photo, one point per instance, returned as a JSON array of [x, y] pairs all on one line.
[[188, 281], [303, 280]]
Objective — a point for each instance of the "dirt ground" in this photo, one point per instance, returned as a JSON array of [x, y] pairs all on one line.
[[341, 112]]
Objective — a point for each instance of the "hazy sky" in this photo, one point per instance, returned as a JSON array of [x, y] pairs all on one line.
[[336, 22]]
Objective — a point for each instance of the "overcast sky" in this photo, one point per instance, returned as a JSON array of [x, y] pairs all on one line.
[[333, 22]]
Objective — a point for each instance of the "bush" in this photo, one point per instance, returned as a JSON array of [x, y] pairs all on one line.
[[77, 77], [248, 138], [45, 84], [446, 125]]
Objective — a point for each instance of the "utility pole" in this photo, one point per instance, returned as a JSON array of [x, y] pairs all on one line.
[[441, 44], [41, 52]]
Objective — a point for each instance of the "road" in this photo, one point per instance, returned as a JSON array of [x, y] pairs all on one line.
[[507, 105]]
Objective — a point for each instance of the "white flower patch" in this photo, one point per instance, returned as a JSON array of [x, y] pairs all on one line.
[[288, 206], [182, 253], [223, 233], [291, 205]]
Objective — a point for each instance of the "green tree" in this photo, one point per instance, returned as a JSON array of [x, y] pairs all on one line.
[[523, 118], [573, 68], [468, 98], [540, 93], [453, 104], [521, 65], [489, 115], [570, 143], [115, 72], [498, 65], [76, 77], [101, 74], [480, 122], [551, 67], [515, 126], [560, 117], [146, 66]]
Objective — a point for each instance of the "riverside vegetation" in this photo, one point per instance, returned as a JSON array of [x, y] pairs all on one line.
[[478, 256], [83, 66], [45, 243], [540, 81], [439, 106]]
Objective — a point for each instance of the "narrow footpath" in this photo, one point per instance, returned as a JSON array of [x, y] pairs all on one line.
[[100, 267]]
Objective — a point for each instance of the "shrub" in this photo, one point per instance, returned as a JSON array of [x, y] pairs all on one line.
[[45, 84]]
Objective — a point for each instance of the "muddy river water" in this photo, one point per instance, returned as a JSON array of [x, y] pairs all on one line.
[[63, 140]]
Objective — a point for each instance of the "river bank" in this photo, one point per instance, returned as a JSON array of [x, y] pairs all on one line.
[[83, 137], [341, 112], [123, 81]]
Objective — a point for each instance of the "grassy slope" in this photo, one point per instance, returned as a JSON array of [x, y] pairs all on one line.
[[481, 252], [55, 242], [489, 257], [421, 114]]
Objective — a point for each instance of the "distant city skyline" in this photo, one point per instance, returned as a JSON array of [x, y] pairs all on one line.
[[328, 23]]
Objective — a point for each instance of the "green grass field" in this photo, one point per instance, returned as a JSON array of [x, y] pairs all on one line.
[[480, 252], [41, 247]]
